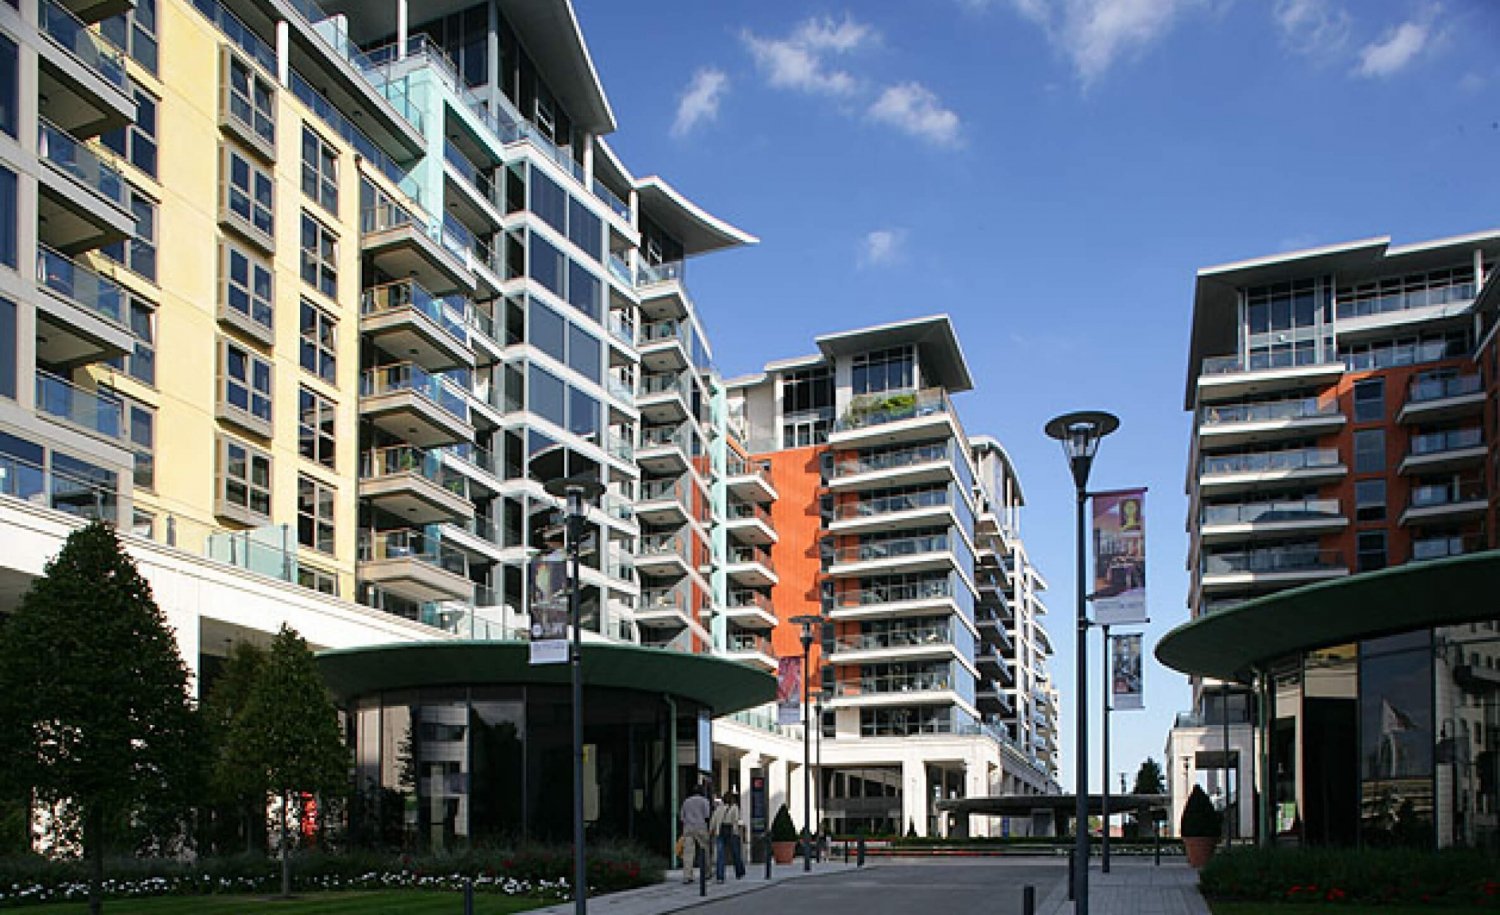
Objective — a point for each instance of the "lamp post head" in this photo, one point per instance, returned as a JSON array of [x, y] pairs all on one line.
[[807, 622], [580, 493], [1079, 434]]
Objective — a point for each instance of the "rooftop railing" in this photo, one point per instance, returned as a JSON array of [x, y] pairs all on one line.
[[1262, 361]]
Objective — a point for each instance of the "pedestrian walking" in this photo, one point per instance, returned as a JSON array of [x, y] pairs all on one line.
[[727, 837], [714, 819], [694, 816]]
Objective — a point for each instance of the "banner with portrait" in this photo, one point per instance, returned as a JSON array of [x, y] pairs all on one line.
[[1119, 591], [1128, 689], [548, 579], [789, 691]]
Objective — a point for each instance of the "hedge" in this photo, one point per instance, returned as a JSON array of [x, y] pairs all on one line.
[[1355, 877]]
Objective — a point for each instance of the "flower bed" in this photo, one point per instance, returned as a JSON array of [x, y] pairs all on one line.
[[1358, 878]]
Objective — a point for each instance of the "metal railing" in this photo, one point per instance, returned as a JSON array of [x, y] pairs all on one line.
[[78, 284], [411, 543], [57, 147], [663, 383], [1427, 389], [740, 467], [749, 511], [1270, 512], [660, 599], [748, 599], [655, 331], [1267, 461], [61, 399], [664, 491], [474, 456], [1273, 560], [611, 199], [1353, 305], [664, 545], [482, 183], [91, 48], [751, 642], [407, 376], [1304, 408], [446, 311], [867, 410], [1448, 440]]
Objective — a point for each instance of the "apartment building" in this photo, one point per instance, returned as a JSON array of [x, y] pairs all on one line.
[[1343, 424], [887, 523]]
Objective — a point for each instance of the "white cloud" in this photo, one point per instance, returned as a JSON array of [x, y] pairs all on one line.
[[1313, 26], [915, 109], [882, 247], [699, 102], [1397, 48], [1094, 34], [799, 61]]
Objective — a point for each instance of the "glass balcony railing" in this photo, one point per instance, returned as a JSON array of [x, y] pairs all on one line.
[[620, 270], [611, 200], [78, 495], [85, 44], [651, 274], [742, 555], [890, 504], [1356, 304], [410, 543], [1448, 492], [449, 233], [663, 545], [482, 183], [747, 599], [1448, 440], [89, 410], [622, 328], [78, 284], [1271, 461], [893, 548], [851, 465], [664, 491], [1304, 408], [915, 682], [403, 459], [932, 589], [663, 437], [748, 511], [617, 446], [1423, 390], [751, 642], [1262, 361], [474, 456], [446, 311], [59, 148], [867, 410], [405, 376], [663, 384], [1428, 548], [1273, 560], [1272, 512], [619, 390], [736, 466], [904, 637], [373, 67], [655, 331]]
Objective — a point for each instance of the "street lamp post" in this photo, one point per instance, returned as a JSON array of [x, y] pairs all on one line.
[[1079, 434], [580, 493], [807, 622], [1104, 659]]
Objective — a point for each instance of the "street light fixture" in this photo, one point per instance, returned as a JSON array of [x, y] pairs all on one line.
[[579, 493], [807, 622], [1079, 434]]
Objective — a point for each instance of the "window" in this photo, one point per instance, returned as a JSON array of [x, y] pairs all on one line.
[[247, 291], [315, 579], [1369, 450], [315, 507], [137, 253], [143, 524], [7, 348], [140, 363], [320, 257], [584, 353], [249, 197], [316, 437], [585, 230], [244, 482], [136, 33], [250, 100], [803, 432], [320, 170], [548, 266], [9, 222], [885, 370], [548, 396], [549, 201], [10, 81], [319, 342], [1369, 500], [136, 143], [247, 388], [142, 426], [806, 391], [548, 330], [584, 290], [1369, 400], [1371, 547]]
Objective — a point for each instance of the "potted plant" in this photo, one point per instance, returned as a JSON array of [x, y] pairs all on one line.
[[1199, 827], [783, 836]]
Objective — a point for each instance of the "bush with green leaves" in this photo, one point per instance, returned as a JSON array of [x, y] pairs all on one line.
[[782, 827], [1363, 878], [1199, 818]]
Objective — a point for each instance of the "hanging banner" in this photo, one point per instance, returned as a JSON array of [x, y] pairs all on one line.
[[549, 608], [1119, 591], [789, 691], [1125, 662]]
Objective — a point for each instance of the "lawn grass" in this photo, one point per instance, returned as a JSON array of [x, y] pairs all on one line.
[[406, 902], [1293, 908]]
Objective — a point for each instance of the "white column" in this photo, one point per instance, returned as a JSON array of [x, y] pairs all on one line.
[[283, 52], [402, 29], [635, 210], [587, 139], [913, 796]]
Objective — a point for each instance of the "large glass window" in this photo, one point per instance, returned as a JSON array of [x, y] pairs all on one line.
[[252, 100], [585, 229], [136, 33], [1369, 450], [315, 511], [1369, 500], [142, 427], [244, 482], [250, 195], [136, 143], [320, 170], [585, 353], [549, 201], [548, 331], [320, 257], [548, 396], [319, 350], [10, 81], [137, 253], [7, 350], [140, 362], [247, 384], [548, 266], [891, 369], [247, 289], [1371, 550], [9, 220], [1369, 400], [316, 427], [583, 413], [584, 290]]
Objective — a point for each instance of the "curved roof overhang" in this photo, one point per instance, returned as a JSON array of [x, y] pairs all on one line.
[[699, 231], [1232, 644], [719, 685]]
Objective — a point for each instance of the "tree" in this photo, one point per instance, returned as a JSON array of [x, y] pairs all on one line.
[[1148, 779], [237, 789], [288, 735], [95, 713]]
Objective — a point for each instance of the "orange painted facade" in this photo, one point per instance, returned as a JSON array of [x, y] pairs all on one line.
[[798, 524]]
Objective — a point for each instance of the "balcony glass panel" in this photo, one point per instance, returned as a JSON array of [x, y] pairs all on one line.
[[1292, 357], [1448, 440], [867, 462], [1272, 560], [892, 548], [930, 589], [1267, 461], [898, 637], [1443, 547], [59, 148], [1304, 408], [897, 502], [1426, 389], [745, 554], [88, 46], [68, 402], [446, 311], [867, 410], [660, 273], [421, 545], [1271, 512], [404, 376], [400, 459], [79, 284], [1448, 492]]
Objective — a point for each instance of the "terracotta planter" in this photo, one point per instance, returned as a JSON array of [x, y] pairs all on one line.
[[1199, 849], [782, 852]]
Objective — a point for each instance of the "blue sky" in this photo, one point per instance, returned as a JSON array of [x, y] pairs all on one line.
[[1050, 173]]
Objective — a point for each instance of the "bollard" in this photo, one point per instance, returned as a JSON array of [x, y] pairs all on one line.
[[846, 851], [468, 896], [767, 839], [1156, 846], [1028, 900], [860, 861], [701, 857], [1072, 870]]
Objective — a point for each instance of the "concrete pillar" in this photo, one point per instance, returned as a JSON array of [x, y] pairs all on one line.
[[913, 796], [587, 139], [283, 52], [635, 209], [403, 30]]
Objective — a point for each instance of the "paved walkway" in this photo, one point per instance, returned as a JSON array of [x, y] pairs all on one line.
[[991, 885]]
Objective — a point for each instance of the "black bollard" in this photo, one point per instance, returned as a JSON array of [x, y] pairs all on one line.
[[1156, 846], [1028, 900], [846, 851], [767, 839], [860, 862], [701, 857], [1072, 868], [468, 896]]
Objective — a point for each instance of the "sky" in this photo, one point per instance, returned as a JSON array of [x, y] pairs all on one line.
[[1051, 174]]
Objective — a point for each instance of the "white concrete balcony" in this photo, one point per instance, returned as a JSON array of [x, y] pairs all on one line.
[[899, 690], [749, 608], [749, 481], [920, 641], [747, 522], [1269, 567], [1225, 378], [1226, 523], [405, 319], [664, 398], [913, 599], [1235, 425], [664, 345], [414, 484], [82, 85], [663, 555], [664, 608], [403, 243], [664, 502], [80, 313], [923, 508], [664, 450], [1436, 398], [1229, 473], [751, 566], [751, 648], [662, 291], [414, 564], [81, 199], [931, 552], [412, 405], [910, 465], [895, 417], [1446, 502]]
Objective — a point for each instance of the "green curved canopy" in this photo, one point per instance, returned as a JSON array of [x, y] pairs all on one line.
[[721, 686], [1230, 644]]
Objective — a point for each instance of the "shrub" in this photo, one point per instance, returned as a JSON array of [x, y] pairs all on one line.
[[782, 827], [1354, 877], [1199, 818]]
